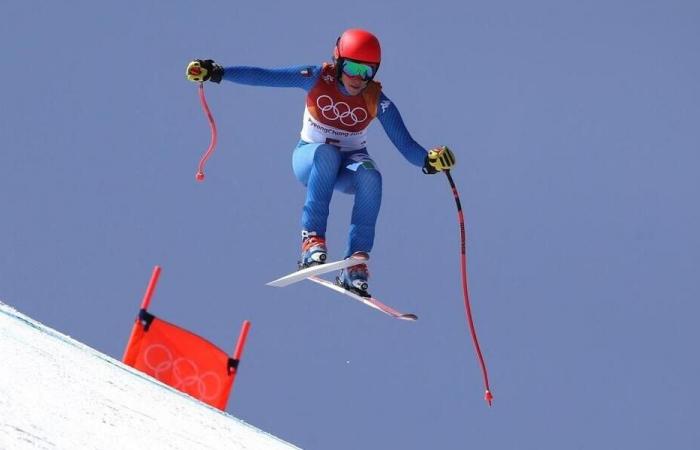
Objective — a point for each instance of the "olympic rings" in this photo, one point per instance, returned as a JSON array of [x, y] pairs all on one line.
[[184, 372], [341, 111]]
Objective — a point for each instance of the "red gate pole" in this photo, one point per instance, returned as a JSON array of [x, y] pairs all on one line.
[[238, 352], [145, 303]]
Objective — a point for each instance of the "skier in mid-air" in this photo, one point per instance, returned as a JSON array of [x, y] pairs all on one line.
[[342, 99]]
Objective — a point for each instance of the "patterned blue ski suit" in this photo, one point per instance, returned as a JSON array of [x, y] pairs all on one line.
[[325, 166]]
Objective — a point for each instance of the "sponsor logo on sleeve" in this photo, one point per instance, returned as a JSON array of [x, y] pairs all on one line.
[[385, 105]]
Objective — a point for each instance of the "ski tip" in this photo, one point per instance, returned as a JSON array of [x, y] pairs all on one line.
[[409, 316]]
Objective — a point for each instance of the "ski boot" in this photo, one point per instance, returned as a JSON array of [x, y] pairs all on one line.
[[354, 279], [313, 250]]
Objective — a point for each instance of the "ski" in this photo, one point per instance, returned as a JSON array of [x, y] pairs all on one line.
[[355, 258], [369, 301]]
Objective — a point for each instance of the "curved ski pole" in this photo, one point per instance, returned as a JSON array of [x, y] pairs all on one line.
[[465, 289], [212, 141]]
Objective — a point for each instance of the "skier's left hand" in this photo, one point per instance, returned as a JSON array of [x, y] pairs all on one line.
[[439, 159]]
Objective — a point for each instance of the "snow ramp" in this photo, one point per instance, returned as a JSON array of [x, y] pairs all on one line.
[[56, 393]]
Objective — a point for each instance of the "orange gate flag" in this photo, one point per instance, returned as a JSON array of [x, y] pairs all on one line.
[[180, 358]]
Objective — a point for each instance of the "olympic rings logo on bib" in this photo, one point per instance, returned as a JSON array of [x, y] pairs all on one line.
[[341, 111]]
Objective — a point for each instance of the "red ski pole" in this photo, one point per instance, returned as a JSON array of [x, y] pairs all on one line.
[[465, 289], [212, 141]]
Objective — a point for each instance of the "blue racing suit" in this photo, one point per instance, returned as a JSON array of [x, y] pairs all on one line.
[[325, 166]]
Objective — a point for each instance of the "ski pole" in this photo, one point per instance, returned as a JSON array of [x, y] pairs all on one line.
[[465, 289], [212, 141]]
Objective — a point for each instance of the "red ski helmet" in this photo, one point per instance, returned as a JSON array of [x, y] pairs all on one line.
[[358, 45]]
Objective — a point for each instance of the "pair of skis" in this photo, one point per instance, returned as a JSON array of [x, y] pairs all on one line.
[[312, 274]]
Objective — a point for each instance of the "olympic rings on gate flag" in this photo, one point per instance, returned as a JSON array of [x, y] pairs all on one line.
[[181, 373], [341, 111]]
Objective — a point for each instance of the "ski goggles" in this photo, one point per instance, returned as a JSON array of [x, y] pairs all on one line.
[[357, 69]]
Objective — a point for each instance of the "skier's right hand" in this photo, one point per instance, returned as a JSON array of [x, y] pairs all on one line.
[[439, 159], [199, 71]]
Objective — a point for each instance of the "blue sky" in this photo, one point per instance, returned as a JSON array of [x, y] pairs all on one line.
[[576, 130]]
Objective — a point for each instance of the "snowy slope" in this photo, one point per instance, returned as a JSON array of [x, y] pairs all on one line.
[[56, 393]]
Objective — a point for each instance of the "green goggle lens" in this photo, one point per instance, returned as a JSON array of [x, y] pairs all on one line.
[[356, 69]]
